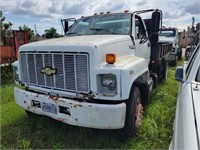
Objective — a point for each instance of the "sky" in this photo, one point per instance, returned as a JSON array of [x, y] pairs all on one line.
[[44, 14]]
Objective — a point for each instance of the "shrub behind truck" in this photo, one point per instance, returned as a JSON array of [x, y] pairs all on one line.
[[100, 75]]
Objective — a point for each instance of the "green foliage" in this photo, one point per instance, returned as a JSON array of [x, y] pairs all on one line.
[[3, 25], [50, 33], [6, 75], [7, 26], [29, 31], [23, 144], [7, 94]]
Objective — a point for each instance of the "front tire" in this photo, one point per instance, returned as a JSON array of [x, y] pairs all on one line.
[[134, 110]]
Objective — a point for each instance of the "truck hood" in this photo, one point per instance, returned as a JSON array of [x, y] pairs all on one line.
[[97, 46], [89, 40]]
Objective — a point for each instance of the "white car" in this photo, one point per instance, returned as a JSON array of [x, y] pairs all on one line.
[[186, 134]]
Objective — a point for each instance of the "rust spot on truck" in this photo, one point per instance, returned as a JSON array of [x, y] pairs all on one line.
[[78, 105], [56, 99], [61, 120], [61, 101], [109, 126]]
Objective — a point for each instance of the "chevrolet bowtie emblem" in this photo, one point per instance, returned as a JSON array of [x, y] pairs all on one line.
[[48, 71]]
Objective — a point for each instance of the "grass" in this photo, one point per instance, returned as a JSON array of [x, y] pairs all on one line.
[[18, 131]]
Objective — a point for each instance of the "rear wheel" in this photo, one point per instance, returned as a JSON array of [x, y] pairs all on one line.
[[159, 70], [164, 70], [180, 54], [174, 61], [134, 111]]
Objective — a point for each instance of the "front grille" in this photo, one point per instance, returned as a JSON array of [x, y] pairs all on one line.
[[71, 70]]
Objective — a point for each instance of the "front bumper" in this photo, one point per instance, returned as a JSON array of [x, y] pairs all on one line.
[[92, 115]]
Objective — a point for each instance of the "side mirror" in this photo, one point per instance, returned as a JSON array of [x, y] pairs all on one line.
[[66, 28], [179, 74]]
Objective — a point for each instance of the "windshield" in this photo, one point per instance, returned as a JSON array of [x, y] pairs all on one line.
[[102, 24], [168, 33]]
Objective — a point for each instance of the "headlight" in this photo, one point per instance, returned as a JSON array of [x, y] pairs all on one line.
[[16, 72], [107, 84], [108, 81]]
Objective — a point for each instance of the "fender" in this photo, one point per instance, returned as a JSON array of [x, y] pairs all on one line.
[[135, 70]]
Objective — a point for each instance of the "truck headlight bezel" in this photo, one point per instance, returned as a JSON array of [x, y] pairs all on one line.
[[107, 84], [16, 74]]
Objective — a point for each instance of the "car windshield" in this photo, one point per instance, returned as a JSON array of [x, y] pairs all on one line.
[[102, 24], [168, 33]]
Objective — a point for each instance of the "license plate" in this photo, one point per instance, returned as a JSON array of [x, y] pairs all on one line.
[[51, 108]]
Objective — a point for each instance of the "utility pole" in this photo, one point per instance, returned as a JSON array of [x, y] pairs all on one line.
[[35, 29], [193, 20]]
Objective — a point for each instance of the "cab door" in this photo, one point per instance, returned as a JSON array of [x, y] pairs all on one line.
[[141, 38]]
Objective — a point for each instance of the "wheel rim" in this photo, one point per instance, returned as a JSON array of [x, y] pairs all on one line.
[[138, 113]]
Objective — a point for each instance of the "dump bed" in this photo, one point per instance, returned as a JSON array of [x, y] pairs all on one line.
[[164, 49], [9, 44]]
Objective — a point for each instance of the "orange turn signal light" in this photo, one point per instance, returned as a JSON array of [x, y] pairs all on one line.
[[110, 58]]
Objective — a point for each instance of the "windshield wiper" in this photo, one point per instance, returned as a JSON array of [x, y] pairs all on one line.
[[103, 29]]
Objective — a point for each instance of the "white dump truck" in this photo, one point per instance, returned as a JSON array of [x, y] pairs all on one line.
[[171, 35], [99, 75]]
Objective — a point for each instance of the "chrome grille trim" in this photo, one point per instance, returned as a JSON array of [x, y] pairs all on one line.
[[72, 70]]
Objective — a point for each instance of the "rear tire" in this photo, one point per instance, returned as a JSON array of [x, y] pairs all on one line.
[[164, 70], [134, 112], [159, 70], [174, 62], [180, 54]]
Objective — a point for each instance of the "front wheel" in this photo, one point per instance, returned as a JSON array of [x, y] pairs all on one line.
[[134, 111]]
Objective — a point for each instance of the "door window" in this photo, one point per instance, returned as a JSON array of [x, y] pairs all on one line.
[[139, 28]]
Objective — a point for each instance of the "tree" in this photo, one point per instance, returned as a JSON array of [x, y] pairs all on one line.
[[30, 32], [51, 33], [7, 26], [4, 26]]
